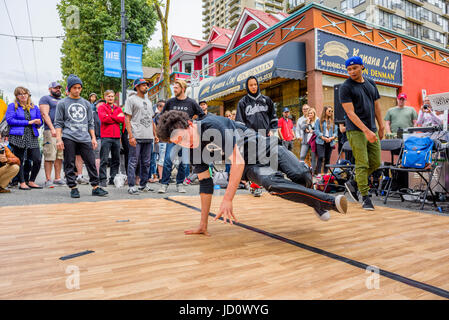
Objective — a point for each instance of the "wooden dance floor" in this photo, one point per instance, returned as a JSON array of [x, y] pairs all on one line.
[[281, 250]]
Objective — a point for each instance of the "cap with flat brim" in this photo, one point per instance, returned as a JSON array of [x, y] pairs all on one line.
[[353, 61], [54, 85]]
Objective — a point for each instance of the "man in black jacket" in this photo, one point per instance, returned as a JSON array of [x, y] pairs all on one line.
[[257, 112]]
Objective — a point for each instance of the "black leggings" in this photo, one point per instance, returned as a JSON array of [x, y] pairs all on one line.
[[33, 155], [87, 154], [298, 189], [324, 151]]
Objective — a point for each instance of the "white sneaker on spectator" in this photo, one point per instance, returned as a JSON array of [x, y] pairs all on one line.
[[180, 188], [82, 180], [163, 188], [60, 182], [48, 184], [133, 190], [148, 187]]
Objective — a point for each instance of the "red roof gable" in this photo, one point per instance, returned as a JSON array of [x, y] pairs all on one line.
[[186, 45], [220, 36], [267, 18]]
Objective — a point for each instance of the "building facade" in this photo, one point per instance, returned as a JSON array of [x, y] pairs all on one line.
[[301, 59], [226, 13], [422, 19]]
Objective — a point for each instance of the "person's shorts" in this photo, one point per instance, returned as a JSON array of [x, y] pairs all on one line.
[[161, 158], [51, 153], [97, 151]]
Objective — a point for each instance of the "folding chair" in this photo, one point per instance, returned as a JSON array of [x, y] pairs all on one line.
[[395, 147], [429, 172], [347, 168]]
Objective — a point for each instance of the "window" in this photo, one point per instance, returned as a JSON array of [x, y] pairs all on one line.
[[412, 29], [206, 64], [174, 48], [412, 10], [259, 6], [175, 68], [385, 19], [187, 66], [248, 28], [361, 15], [194, 43]]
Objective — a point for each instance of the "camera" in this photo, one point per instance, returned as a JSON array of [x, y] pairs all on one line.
[[426, 106]]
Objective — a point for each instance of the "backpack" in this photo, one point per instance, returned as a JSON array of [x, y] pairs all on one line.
[[321, 184], [417, 152], [221, 178]]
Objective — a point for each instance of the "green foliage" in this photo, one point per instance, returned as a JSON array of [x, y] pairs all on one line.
[[153, 57], [82, 49]]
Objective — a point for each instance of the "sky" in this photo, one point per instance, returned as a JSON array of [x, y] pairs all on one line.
[[35, 67]]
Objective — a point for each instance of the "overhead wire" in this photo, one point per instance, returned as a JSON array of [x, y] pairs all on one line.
[[34, 50]]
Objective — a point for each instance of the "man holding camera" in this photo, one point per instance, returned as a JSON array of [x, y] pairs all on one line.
[[426, 116]]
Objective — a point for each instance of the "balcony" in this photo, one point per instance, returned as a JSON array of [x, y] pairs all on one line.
[[235, 15], [417, 2], [205, 3], [295, 5], [236, 6], [274, 4], [231, 2], [414, 20]]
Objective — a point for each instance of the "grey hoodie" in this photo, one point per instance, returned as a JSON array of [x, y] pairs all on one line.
[[141, 112], [74, 117]]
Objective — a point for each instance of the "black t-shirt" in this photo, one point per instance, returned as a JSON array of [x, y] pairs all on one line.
[[219, 136], [187, 105], [362, 96]]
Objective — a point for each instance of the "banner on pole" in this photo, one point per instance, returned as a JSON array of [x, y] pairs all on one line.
[[112, 60]]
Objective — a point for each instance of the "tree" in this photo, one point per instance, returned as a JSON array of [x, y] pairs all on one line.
[[153, 57], [163, 19], [87, 24]]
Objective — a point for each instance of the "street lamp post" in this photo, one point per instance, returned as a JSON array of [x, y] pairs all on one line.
[[123, 40]]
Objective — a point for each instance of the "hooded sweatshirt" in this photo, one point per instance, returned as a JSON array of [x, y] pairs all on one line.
[[256, 111], [141, 112]]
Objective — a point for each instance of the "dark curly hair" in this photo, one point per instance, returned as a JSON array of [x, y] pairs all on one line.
[[169, 121]]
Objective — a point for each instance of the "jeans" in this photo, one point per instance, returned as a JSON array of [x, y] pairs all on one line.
[[109, 145], [288, 144], [367, 158], [85, 150], [141, 153], [153, 168], [303, 154], [32, 155], [172, 151]]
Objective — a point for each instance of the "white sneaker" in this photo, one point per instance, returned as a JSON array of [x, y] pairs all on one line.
[[133, 190], [147, 188], [324, 215], [48, 184], [257, 192], [341, 203], [163, 188], [180, 188], [81, 180]]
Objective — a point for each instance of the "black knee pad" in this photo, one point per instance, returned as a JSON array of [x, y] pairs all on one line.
[[207, 186]]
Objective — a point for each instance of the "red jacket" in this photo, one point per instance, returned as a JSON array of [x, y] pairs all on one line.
[[110, 122]]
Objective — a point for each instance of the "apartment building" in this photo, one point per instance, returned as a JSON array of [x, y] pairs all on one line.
[[226, 13], [427, 20]]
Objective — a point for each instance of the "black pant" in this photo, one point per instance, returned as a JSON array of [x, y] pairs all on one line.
[[86, 152], [125, 146], [109, 145], [33, 155], [298, 189], [288, 144], [324, 151]]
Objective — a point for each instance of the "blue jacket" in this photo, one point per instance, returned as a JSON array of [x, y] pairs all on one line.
[[17, 122], [333, 132]]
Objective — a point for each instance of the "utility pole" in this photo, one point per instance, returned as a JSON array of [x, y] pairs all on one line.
[[123, 40]]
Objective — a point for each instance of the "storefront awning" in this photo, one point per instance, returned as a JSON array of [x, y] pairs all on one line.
[[288, 61]]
